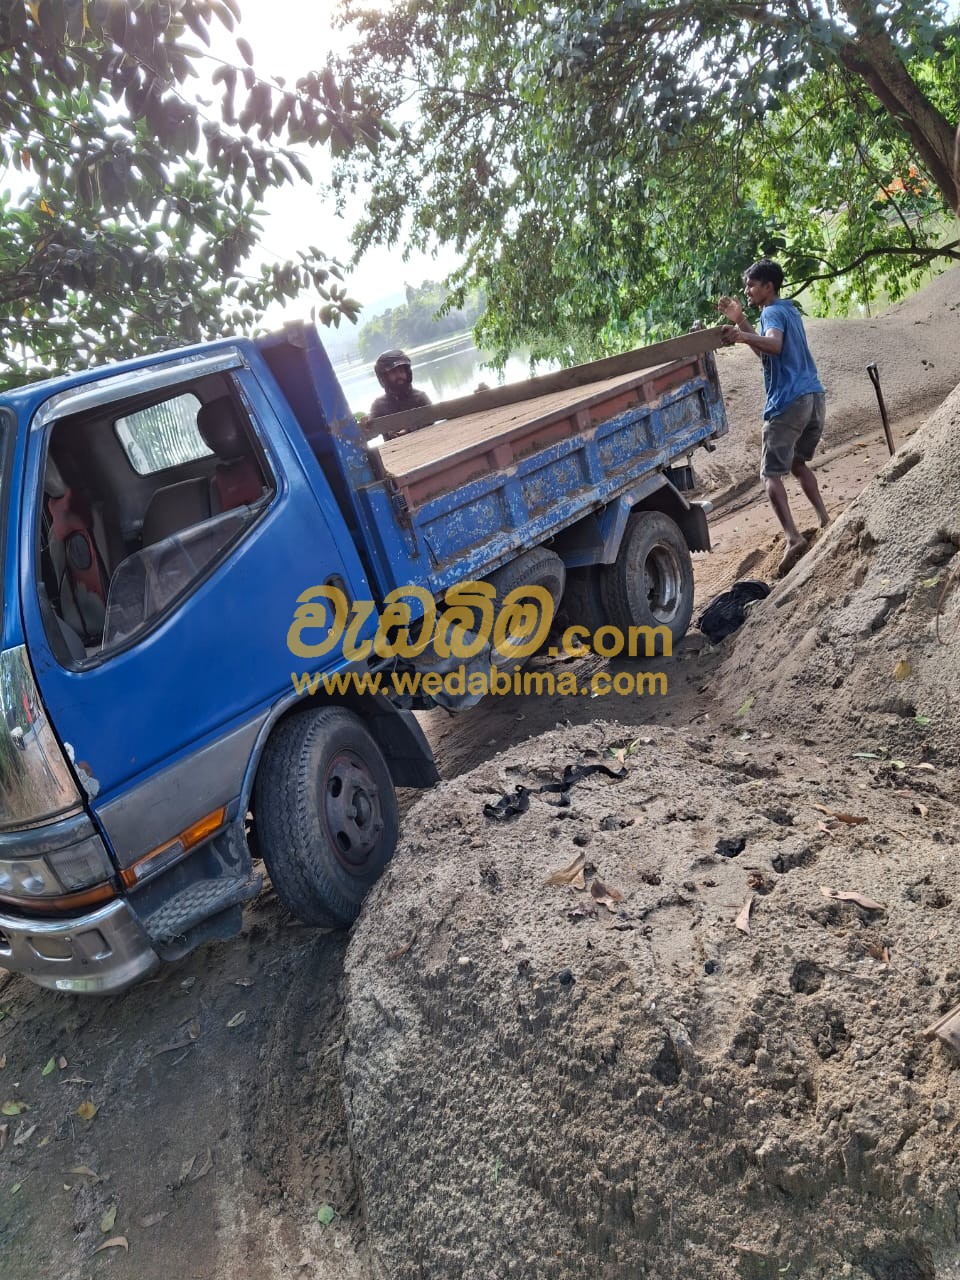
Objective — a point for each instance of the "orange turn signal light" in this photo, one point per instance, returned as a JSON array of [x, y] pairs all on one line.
[[171, 851]]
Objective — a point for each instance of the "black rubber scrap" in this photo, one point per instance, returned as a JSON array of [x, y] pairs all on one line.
[[730, 846], [511, 806]]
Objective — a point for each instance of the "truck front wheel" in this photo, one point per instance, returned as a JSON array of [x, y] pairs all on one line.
[[326, 814], [650, 584]]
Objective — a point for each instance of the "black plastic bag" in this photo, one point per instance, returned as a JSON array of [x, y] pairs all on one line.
[[728, 611]]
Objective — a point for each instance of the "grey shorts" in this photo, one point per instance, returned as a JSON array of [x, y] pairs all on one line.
[[795, 433]]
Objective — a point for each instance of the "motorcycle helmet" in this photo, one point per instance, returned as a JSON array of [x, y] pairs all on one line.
[[392, 360]]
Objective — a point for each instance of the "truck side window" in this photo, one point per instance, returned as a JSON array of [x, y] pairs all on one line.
[[162, 435], [140, 501]]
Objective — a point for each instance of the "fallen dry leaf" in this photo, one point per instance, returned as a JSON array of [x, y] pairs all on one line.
[[108, 1220], [401, 951], [23, 1137], [843, 895], [742, 921], [87, 1110], [3, 1061], [850, 819], [204, 1167], [879, 952], [62, 1063], [84, 1171], [569, 874], [4, 1135], [185, 1170], [118, 1242], [925, 768], [238, 1019], [902, 669], [606, 895], [244, 982], [920, 808]]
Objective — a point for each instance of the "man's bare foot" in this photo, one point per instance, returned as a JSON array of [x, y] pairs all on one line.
[[793, 554]]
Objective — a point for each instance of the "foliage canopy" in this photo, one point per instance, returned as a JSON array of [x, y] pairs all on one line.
[[141, 207], [608, 168]]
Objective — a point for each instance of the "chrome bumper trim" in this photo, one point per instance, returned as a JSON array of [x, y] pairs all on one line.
[[96, 954]]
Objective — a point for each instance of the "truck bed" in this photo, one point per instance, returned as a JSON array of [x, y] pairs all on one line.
[[465, 493], [438, 458]]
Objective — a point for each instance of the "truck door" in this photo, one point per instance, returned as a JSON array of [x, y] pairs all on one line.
[[169, 527]]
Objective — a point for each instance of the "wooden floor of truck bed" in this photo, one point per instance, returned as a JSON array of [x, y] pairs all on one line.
[[458, 449]]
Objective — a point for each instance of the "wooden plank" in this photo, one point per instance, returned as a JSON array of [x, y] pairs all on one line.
[[696, 343]]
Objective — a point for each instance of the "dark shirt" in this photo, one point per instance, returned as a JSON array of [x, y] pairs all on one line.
[[387, 404]]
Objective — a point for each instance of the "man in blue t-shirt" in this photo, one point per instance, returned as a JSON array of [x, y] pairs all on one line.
[[794, 412]]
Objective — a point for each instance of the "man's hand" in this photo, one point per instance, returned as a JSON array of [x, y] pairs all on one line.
[[730, 308], [728, 334]]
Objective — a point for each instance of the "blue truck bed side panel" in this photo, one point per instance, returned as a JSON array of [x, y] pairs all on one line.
[[470, 530]]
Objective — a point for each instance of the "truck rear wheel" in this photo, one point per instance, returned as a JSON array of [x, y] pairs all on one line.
[[650, 584], [326, 814], [537, 567], [582, 604]]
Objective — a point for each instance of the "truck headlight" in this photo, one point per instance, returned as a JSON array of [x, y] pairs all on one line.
[[62, 871]]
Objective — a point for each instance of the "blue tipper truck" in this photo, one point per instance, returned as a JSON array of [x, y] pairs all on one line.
[[159, 521]]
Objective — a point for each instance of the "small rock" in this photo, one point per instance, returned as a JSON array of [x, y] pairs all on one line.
[[565, 977]]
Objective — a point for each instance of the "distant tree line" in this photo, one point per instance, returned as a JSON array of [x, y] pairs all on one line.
[[424, 317]]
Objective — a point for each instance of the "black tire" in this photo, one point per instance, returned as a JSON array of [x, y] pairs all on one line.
[[582, 604], [650, 584], [537, 567], [326, 814]]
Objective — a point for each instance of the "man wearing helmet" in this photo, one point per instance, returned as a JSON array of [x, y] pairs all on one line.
[[395, 375]]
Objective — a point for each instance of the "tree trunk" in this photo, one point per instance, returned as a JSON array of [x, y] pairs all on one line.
[[876, 59]]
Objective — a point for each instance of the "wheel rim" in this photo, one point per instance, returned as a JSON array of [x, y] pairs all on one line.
[[663, 580], [352, 812]]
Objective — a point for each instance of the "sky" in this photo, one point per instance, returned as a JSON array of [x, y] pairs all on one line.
[[289, 38]]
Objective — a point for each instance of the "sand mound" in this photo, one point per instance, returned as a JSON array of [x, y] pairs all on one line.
[[846, 649], [914, 345], [540, 1086]]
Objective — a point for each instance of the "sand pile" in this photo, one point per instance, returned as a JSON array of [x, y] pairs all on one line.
[[846, 649], [618, 1082]]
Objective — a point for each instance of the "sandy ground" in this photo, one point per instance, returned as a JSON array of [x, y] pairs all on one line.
[[523, 1081]]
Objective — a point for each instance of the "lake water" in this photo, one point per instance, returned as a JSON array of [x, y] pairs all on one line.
[[444, 370]]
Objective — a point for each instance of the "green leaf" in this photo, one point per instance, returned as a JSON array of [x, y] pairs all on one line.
[[108, 1219], [325, 1215], [49, 1067], [13, 1108], [746, 705]]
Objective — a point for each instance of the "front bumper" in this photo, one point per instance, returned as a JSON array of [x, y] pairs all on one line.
[[96, 954]]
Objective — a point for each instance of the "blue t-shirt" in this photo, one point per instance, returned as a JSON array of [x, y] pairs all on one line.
[[792, 373]]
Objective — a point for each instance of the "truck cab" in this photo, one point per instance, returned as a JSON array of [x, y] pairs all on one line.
[[159, 519]]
